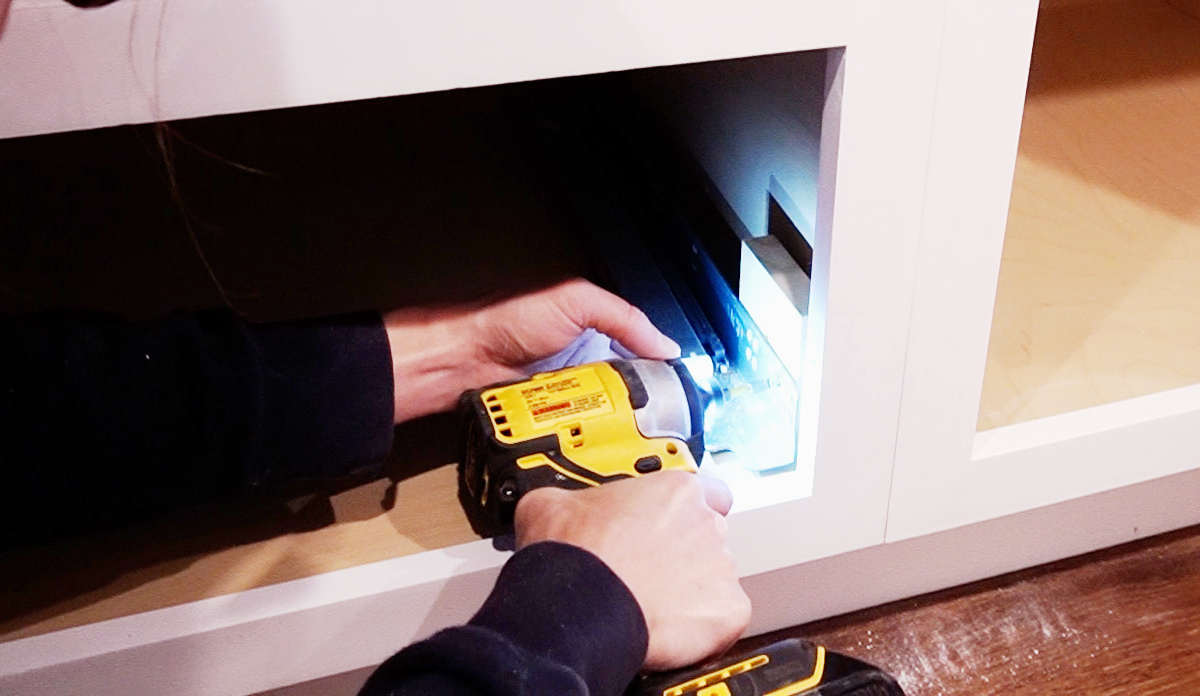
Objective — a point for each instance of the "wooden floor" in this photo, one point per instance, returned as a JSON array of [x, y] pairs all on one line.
[[1121, 621]]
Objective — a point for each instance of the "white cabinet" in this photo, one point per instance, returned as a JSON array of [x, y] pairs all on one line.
[[909, 175], [1096, 123], [1099, 446]]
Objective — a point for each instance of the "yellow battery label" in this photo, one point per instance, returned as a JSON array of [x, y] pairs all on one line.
[[565, 397]]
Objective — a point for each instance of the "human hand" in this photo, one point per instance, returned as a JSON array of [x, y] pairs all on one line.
[[664, 536], [439, 353]]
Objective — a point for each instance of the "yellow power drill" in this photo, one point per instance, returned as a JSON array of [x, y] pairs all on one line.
[[588, 425], [577, 427]]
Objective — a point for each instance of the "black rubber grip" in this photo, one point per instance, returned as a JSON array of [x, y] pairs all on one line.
[[638, 396]]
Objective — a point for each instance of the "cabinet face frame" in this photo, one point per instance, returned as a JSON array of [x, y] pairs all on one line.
[[863, 275], [876, 139], [946, 474]]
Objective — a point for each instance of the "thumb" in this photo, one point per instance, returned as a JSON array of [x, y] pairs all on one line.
[[593, 307], [716, 492]]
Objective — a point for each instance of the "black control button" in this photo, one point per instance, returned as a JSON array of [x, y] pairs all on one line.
[[646, 465]]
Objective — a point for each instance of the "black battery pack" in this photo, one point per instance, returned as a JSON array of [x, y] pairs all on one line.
[[791, 667]]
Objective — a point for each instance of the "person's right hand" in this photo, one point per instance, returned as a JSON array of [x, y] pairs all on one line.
[[664, 536]]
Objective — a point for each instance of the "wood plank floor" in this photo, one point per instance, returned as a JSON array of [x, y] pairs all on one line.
[[1120, 621]]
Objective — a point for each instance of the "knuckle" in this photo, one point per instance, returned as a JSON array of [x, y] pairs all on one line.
[[536, 501], [737, 610], [576, 289], [742, 613], [673, 480], [731, 624], [721, 525], [682, 478]]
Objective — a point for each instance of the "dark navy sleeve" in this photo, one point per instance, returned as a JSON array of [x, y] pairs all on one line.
[[557, 622], [104, 421]]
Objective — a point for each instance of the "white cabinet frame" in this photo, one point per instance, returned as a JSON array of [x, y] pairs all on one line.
[[946, 474], [918, 145]]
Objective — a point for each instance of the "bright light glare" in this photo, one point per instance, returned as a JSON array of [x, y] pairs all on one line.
[[751, 490], [773, 311]]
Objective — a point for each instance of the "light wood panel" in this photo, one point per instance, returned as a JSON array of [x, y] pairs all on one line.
[[226, 549], [1099, 291]]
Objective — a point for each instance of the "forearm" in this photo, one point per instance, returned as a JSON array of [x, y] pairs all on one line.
[[558, 622], [104, 420]]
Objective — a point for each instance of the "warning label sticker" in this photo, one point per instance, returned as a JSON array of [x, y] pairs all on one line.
[[579, 395]]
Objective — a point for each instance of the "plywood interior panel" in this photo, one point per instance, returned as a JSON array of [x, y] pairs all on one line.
[[1099, 291], [226, 549]]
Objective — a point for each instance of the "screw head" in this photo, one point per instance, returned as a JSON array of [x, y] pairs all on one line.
[[507, 490]]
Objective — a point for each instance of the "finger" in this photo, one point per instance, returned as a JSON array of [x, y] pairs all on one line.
[[601, 310], [537, 500], [531, 510], [716, 493]]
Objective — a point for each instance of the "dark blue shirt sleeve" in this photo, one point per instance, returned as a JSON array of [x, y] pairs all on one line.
[[104, 421], [558, 622]]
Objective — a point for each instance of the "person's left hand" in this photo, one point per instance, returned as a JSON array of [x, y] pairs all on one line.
[[438, 354]]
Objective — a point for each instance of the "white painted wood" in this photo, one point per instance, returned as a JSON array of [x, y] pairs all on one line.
[[946, 475], [861, 287], [1050, 460], [136, 61], [263, 638], [347, 683], [967, 553], [1087, 423], [746, 125], [984, 70]]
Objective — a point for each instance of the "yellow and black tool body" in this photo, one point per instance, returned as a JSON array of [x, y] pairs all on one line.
[[588, 425], [576, 427], [791, 667]]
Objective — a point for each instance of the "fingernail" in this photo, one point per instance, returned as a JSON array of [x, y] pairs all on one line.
[[671, 348]]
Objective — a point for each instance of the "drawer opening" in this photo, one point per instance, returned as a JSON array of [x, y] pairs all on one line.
[[690, 190], [731, 287]]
